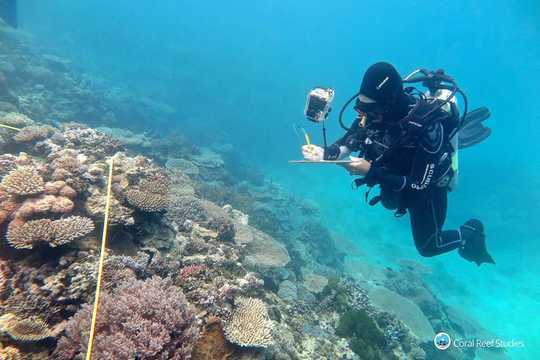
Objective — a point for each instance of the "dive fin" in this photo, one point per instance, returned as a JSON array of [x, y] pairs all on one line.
[[8, 12], [474, 248], [476, 116], [474, 137], [473, 131]]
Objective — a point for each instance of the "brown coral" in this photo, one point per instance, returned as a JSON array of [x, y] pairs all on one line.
[[26, 235], [60, 188], [23, 181], [33, 133], [119, 214], [151, 195], [10, 353], [7, 208], [212, 344], [4, 279], [147, 201], [27, 329], [71, 228], [44, 204], [250, 324]]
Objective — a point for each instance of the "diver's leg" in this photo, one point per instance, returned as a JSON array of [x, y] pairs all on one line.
[[427, 220]]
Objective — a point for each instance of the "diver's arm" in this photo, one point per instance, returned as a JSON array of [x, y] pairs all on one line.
[[344, 146], [424, 169]]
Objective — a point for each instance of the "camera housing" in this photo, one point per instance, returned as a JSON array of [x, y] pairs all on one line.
[[318, 104]]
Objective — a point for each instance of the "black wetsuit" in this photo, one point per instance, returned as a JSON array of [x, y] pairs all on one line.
[[412, 176]]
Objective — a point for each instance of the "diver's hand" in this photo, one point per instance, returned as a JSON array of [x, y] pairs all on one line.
[[313, 152], [358, 166]]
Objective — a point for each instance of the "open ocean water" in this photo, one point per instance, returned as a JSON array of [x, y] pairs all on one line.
[[237, 72]]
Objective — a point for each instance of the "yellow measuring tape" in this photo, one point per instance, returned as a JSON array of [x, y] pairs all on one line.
[[9, 127], [101, 261]]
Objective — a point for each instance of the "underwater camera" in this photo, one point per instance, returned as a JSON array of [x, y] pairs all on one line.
[[318, 104]]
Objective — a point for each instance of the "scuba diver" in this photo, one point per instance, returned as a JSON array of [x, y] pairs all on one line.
[[8, 12], [407, 142]]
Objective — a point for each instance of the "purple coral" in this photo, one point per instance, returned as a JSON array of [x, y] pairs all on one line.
[[143, 319]]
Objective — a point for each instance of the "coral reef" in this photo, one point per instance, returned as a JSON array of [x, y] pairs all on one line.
[[147, 319], [193, 230]]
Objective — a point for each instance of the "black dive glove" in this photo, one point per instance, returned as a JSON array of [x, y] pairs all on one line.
[[332, 152]]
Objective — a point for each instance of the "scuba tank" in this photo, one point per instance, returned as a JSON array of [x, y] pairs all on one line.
[[451, 107]]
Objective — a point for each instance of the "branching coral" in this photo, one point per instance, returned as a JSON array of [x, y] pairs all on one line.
[[24, 329], [23, 181], [26, 235], [249, 325], [145, 319]]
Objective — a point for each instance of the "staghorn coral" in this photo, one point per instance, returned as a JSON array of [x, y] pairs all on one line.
[[24, 329], [23, 181], [33, 133], [249, 325], [146, 319], [26, 235]]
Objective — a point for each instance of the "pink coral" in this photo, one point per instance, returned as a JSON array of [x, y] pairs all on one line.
[[192, 270], [143, 319]]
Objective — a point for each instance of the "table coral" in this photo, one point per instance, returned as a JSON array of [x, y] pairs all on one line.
[[26, 235], [24, 329], [249, 325], [23, 181]]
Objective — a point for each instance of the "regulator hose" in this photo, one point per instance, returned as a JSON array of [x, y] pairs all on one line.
[[343, 108]]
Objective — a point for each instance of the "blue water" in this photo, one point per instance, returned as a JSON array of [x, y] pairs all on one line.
[[238, 72]]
